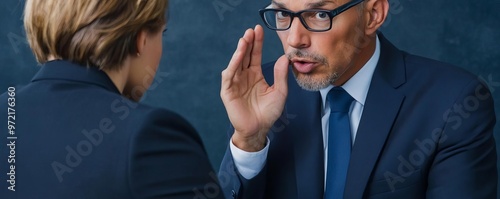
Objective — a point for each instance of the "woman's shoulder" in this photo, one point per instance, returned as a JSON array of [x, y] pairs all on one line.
[[149, 119]]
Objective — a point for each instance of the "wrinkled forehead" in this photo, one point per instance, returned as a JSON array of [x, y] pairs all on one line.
[[296, 5]]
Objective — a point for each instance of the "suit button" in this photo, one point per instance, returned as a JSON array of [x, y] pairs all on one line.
[[233, 193]]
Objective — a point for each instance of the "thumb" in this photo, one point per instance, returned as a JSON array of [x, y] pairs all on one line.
[[281, 74]]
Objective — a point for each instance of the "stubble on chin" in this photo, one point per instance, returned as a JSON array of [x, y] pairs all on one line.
[[313, 81], [316, 82]]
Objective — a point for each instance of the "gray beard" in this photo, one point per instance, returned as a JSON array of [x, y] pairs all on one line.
[[308, 83]]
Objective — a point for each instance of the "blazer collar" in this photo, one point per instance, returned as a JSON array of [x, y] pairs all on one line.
[[391, 65], [65, 70], [306, 131], [381, 109]]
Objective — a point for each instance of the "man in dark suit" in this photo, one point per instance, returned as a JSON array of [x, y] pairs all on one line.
[[77, 129], [356, 117]]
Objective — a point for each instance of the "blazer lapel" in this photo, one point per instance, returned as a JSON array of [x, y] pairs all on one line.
[[306, 130], [381, 109]]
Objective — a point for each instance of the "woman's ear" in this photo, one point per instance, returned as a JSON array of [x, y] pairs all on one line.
[[376, 13], [141, 41]]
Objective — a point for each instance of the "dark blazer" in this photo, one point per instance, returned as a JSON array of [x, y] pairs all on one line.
[[77, 137], [426, 132]]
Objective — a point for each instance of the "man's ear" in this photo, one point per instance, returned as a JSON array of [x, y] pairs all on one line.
[[375, 13], [141, 41]]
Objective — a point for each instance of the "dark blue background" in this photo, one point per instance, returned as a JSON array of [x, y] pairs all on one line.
[[202, 36]]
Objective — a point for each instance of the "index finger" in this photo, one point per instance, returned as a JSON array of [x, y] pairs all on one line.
[[235, 64]]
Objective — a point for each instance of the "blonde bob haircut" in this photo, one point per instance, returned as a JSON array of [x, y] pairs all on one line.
[[96, 33]]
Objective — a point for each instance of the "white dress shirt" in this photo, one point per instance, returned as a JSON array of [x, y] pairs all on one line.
[[249, 164]]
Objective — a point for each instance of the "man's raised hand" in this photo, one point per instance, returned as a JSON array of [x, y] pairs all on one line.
[[251, 104]]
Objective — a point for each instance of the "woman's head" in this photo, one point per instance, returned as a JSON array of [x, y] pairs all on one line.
[[97, 33], [108, 34]]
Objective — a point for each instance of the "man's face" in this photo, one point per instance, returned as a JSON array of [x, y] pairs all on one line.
[[320, 58]]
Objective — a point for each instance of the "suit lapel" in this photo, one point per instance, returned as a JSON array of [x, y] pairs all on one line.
[[381, 109], [303, 124], [378, 116], [306, 130]]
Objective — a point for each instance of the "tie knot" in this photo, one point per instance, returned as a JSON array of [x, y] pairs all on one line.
[[339, 99]]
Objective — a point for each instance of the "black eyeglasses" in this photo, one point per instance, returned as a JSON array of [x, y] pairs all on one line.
[[314, 20]]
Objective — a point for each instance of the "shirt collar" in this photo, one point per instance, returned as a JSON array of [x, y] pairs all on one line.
[[357, 86]]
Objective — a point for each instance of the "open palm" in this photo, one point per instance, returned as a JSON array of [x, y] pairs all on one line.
[[251, 104]]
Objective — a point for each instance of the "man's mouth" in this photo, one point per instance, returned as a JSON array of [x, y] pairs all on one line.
[[303, 65]]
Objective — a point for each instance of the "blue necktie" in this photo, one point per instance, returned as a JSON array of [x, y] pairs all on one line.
[[339, 142]]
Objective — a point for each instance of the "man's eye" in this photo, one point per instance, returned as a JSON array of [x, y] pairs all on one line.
[[321, 15], [281, 14]]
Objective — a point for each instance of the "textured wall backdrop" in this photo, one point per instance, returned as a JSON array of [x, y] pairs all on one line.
[[202, 36]]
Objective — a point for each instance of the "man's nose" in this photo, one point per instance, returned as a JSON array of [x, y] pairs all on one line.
[[298, 35]]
